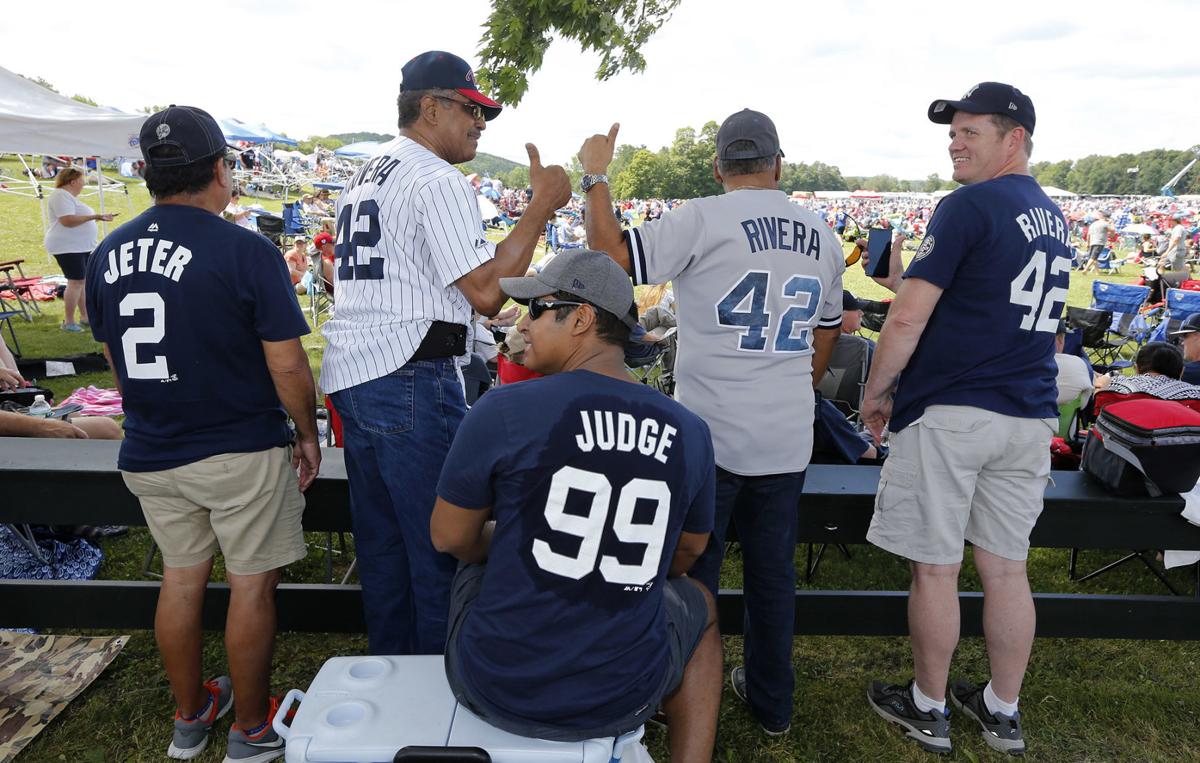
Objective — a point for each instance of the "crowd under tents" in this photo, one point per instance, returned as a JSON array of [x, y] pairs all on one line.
[[37, 121]]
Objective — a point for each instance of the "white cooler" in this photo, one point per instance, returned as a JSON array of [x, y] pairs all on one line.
[[365, 709]]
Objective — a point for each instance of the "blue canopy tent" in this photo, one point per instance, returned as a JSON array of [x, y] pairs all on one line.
[[359, 150], [236, 131], [274, 137]]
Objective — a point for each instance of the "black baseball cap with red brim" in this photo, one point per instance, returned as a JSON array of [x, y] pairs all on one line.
[[439, 70]]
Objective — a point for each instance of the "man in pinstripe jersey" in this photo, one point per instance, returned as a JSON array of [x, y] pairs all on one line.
[[411, 264]]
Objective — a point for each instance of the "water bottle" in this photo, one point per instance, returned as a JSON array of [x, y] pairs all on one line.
[[40, 407]]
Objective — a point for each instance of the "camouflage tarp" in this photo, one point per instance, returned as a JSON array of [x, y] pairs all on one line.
[[39, 675]]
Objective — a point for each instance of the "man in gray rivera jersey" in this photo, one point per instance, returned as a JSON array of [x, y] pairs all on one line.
[[758, 284]]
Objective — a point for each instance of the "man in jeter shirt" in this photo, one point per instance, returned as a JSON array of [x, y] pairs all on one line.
[[964, 377], [201, 326], [601, 491]]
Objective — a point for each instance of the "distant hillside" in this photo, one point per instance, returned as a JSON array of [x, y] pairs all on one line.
[[354, 137], [488, 165]]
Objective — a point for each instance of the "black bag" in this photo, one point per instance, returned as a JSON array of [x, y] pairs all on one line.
[[1145, 447], [24, 396]]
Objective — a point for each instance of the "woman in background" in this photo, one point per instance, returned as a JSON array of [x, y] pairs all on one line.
[[71, 237]]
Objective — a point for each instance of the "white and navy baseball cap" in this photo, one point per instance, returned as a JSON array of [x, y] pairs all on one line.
[[987, 98], [439, 70], [753, 127], [192, 131], [590, 275], [1189, 326]]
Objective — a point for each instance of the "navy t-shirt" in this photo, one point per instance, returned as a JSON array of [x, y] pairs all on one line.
[[1191, 372], [184, 300], [999, 250], [590, 480]]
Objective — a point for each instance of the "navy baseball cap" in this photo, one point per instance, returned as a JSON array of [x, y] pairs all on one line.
[[439, 70], [1189, 326], [752, 126], [849, 301], [987, 98], [191, 130]]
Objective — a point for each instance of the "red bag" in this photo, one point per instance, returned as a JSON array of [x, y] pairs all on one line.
[[1145, 447]]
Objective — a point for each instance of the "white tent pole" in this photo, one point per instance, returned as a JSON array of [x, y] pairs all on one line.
[[100, 186]]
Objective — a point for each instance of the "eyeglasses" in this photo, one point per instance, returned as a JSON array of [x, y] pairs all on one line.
[[473, 109], [539, 306], [230, 160]]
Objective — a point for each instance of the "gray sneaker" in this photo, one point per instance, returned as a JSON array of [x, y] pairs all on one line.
[[264, 746], [191, 737], [737, 681], [1001, 732], [895, 703]]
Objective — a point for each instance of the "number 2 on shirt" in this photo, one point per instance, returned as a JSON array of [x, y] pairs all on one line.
[[1036, 296], [350, 241], [745, 307]]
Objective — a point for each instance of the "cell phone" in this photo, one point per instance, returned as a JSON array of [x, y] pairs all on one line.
[[879, 245]]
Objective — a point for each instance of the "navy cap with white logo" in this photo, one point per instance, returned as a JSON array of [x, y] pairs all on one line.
[[439, 70], [192, 131], [1189, 326], [987, 98]]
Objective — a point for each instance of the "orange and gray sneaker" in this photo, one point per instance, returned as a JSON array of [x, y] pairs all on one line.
[[257, 745], [191, 734]]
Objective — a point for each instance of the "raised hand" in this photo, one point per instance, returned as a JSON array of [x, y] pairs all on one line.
[[550, 185], [597, 151]]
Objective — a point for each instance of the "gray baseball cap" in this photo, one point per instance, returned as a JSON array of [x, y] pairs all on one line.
[[753, 126], [586, 273]]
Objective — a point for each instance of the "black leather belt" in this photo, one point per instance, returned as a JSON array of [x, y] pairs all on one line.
[[443, 340]]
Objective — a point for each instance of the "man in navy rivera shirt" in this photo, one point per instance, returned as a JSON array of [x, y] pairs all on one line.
[[964, 378], [601, 489], [201, 325]]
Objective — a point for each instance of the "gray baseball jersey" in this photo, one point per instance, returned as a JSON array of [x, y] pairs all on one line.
[[408, 227], [753, 275]]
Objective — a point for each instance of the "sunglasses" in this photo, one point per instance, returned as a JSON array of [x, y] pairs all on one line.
[[539, 306], [230, 160], [474, 109]]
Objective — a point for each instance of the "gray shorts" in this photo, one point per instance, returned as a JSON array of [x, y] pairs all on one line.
[[962, 473], [687, 617]]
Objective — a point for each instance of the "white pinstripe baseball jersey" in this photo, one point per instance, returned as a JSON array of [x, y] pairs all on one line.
[[408, 227], [753, 274]]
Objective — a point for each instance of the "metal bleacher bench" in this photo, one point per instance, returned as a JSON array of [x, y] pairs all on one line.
[[71, 482]]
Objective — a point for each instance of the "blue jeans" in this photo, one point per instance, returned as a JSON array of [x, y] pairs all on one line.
[[765, 511], [398, 429]]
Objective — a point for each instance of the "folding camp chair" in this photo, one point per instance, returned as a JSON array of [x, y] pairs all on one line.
[[1125, 301], [555, 243], [656, 368], [295, 222], [19, 289], [320, 291], [846, 376], [1180, 304], [1094, 329], [6, 315]]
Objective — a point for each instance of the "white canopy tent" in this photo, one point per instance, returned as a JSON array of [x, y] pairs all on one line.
[[34, 120], [1053, 192]]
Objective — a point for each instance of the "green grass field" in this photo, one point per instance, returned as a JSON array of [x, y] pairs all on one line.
[[1084, 700]]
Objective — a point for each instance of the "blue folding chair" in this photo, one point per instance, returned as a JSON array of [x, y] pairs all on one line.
[[1180, 305], [295, 222], [1125, 301]]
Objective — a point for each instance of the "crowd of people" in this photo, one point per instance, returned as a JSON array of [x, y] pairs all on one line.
[[561, 541]]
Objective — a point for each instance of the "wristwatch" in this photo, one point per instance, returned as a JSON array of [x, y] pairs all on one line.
[[587, 181]]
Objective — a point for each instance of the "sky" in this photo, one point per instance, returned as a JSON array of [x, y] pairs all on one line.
[[846, 82]]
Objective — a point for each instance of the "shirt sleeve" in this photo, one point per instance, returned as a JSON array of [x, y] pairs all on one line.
[[267, 287], [60, 204], [830, 315], [466, 478], [659, 250], [700, 514], [449, 212], [956, 228]]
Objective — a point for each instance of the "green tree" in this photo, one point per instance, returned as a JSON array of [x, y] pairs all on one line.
[[40, 81], [151, 109], [517, 34], [643, 178], [1052, 173], [84, 99], [517, 177]]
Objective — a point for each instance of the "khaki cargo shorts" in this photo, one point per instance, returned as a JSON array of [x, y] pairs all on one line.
[[248, 504], [962, 473]]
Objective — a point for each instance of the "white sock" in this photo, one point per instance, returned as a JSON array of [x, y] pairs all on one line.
[[997, 706], [926, 704]]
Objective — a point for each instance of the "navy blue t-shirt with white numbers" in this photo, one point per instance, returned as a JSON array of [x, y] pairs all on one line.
[[184, 300], [999, 250], [590, 480]]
